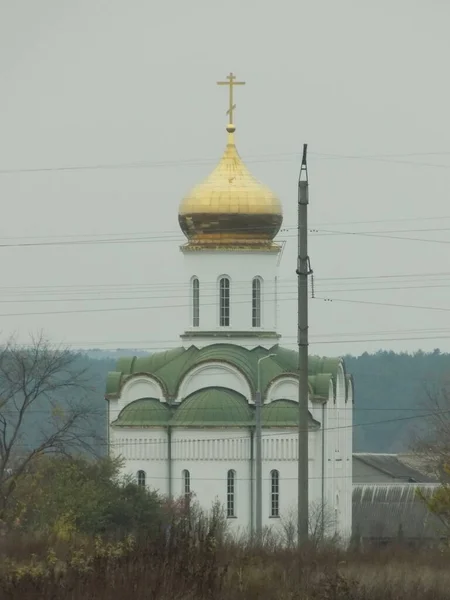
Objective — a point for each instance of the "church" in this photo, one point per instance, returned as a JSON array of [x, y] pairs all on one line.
[[183, 419]]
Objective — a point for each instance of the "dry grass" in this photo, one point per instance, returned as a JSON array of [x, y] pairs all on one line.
[[190, 563]]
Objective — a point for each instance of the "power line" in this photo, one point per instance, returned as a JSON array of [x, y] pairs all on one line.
[[180, 294], [152, 237], [195, 162], [294, 431], [172, 306], [439, 275], [176, 232], [390, 237], [372, 303]]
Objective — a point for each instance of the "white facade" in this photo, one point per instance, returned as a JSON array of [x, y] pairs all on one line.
[[205, 443], [249, 273], [208, 455]]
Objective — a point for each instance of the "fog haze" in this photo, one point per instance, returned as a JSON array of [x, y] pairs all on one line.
[[94, 83]]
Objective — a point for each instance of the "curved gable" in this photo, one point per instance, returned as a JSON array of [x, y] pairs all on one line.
[[213, 373], [284, 387], [140, 385]]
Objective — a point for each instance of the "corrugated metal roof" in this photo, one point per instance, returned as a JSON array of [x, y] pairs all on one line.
[[397, 466], [383, 510]]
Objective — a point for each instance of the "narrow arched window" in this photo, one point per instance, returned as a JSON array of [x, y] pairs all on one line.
[[274, 493], [195, 302], [141, 478], [231, 493], [256, 302], [186, 482], [224, 302]]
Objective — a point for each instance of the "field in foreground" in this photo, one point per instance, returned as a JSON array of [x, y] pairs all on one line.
[[194, 565]]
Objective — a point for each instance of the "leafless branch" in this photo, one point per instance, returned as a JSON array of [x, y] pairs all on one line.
[[40, 378], [431, 439]]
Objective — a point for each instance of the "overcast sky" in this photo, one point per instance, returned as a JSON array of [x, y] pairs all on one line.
[[116, 82]]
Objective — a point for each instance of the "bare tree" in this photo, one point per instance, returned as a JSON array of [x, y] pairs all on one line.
[[39, 383], [322, 524], [431, 435]]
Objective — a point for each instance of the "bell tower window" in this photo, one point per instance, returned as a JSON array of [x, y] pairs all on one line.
[[195, 302], [256, 302], [224, 302]]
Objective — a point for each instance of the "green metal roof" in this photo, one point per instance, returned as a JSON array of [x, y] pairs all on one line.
[[146, 412], [213, 407], [209, 407], [171, 366], [284, 413]]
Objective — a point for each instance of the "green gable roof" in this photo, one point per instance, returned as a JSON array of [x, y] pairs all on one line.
[[171, 366], [213, 407], [284, 413], [146, 412]]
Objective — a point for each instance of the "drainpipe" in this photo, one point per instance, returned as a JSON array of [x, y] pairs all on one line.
[[323, 469], [252, 481], [169, 459], [108, 425]]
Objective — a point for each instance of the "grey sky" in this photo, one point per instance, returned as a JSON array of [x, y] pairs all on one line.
[[110, 82]]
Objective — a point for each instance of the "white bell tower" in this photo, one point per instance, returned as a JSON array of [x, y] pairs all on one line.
[[230, 258]]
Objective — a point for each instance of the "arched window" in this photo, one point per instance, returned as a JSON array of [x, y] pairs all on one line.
[[195, 302], [231, 493], [224, 302], [256, 302], [186, 482], [141, 478], [274, 493]]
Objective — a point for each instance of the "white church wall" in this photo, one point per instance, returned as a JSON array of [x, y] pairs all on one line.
[[143, 450], [338, 447], [208, 455], [279, 453], [208, 374], [329, 425], [240, 268], [348, 472], [288, 491]]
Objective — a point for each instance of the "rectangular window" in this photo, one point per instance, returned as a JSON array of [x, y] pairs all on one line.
[[231, 491], [186, 483], [224, 302], [275, 494], [195, 303], [256, 302], [141, 478]]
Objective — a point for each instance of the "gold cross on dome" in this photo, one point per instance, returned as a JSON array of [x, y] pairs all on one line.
[[231, 83]]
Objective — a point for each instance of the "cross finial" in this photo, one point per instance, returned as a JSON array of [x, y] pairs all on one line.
[[231, 83]]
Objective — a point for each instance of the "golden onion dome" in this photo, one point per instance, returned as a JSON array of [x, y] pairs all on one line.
[[230, 207]]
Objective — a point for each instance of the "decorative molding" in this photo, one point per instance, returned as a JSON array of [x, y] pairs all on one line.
[[224, 332], [211, 247], [131, 448], [283, 447], [203, 365]]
